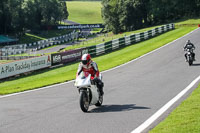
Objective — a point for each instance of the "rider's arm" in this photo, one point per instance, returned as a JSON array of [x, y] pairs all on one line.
[[80, 69], [193, 45], [185, 46], [95, 67]]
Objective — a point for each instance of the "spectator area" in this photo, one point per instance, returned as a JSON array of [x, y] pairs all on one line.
[[4, 40]]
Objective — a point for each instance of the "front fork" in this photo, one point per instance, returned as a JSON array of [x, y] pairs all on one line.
[[88, 92]]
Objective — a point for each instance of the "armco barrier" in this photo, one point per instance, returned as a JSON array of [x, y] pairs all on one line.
[[127, 40]]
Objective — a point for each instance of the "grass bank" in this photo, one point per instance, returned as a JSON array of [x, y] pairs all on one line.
[[5, 61], [189, 22], [184, 119], [85, 12], [66, 73], [42, 35]]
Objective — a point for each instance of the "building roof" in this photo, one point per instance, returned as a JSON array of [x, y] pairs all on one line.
[[5, 39]]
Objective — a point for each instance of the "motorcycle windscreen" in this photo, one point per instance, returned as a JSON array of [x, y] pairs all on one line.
[[82, 80]]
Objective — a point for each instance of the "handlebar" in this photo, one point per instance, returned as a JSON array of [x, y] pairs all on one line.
[[185, 49]]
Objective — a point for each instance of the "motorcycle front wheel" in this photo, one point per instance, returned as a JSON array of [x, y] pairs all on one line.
[[190, 62], [84, 101]]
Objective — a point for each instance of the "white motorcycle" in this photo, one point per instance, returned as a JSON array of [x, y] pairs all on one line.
[[89, 93]]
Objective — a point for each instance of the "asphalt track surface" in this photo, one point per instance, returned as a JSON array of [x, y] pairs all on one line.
[[133, 93]]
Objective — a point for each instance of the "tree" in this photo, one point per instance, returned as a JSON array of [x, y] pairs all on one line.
[[123, 15], [110, 15], [18, 15], [5, 16]]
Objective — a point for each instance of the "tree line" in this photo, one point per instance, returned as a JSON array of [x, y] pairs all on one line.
[[83, 0], [16, 16], [127, 15]]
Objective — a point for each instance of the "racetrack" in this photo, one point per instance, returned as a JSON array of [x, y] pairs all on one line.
[[133, 93]]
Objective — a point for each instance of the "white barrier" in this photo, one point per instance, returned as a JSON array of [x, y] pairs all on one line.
[[41, 43]]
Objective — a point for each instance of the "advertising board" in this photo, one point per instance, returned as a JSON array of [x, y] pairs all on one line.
[[23, 66], [80, 26], [68, 56]]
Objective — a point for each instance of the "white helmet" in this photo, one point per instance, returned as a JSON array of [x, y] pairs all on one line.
[[85, 59]]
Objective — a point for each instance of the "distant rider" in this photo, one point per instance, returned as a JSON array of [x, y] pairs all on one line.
[[191, 47], [87, 65]]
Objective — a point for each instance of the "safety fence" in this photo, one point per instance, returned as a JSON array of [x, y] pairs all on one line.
[[127, 40], [32, 64], [24, 48]]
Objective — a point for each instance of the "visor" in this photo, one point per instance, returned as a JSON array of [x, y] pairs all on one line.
[[84, 62]]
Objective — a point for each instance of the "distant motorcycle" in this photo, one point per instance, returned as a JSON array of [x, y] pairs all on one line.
[[89, 93], [189, 56]]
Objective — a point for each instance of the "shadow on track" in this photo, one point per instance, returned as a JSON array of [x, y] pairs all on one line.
[[198, 64], [116, 108]]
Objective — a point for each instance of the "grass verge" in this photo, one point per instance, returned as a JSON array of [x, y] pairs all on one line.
[[85, 12], [42, 35], [5, 61], [184, 119], [65, 73]]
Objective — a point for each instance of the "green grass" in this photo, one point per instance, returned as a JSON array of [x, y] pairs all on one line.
[[54, 33], [84, 12], [194, 21], [68, 72], [30, 37], [27, 38], [5, 61], [184, 119]]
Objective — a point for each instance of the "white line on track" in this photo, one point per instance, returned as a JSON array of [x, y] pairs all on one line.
[[155, 116]]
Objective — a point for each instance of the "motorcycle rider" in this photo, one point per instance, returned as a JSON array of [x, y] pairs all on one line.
[[191, 47], [87, 65]]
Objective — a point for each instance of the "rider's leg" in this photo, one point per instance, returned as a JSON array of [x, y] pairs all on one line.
[[194, 56], [186, 57], [100, 85]]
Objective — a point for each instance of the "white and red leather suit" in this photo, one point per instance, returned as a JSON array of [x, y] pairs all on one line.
[[91, 67]]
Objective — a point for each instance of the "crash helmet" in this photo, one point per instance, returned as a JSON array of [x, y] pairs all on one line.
[[85, 59], [188, 41]]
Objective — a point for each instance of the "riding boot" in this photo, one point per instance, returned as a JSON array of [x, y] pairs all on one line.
[[186, 60], [194, 57], [101, 91], [100, 85]]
